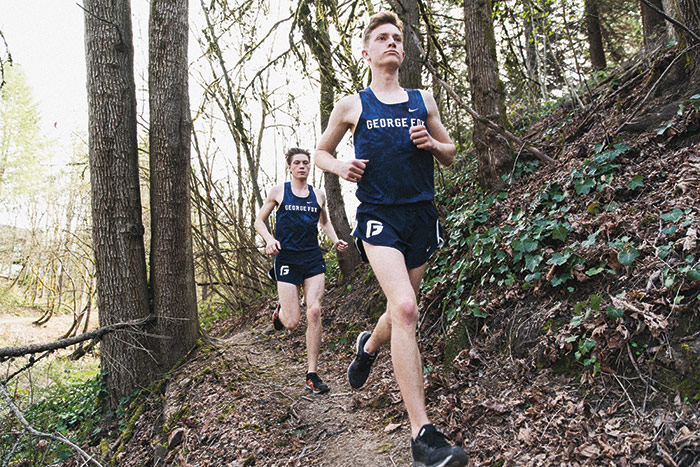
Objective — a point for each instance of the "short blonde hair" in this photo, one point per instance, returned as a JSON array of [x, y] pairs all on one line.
[[376, 20]]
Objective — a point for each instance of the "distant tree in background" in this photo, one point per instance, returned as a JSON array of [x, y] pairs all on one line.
[[314, 24], [5, 59], [595, 35], [411, 71]]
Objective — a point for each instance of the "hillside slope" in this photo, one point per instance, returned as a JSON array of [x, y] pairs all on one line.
[[560, 326]]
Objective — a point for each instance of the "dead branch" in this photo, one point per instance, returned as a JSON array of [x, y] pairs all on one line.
[[9, 352], [59, 438], [492, 126]]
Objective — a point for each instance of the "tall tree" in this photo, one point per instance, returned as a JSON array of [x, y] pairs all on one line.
[[689, 36], [653, 24], [314, 25], [488, 97], [595, 36], [171, 266], [117, 228], [411, 68]]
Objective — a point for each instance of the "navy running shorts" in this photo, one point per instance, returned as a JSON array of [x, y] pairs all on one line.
[[413, 229], [296, 266]]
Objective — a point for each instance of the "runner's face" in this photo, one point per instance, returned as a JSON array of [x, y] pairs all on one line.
[[385, 45], [299, 166]]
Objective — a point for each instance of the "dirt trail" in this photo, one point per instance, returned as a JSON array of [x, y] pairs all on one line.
[[243, 402], [337, 430]]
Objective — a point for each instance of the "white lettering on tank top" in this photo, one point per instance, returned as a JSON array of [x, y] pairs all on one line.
[[296, 207], [394, 123]]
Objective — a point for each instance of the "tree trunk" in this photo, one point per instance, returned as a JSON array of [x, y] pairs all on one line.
[[595, 36], [653, 25], [117, 228], [689, 12], [318, 39], [172, 266], [493, 152], [531, 62], [411, 69]]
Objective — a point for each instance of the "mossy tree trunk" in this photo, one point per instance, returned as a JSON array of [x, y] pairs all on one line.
[[488, 95]]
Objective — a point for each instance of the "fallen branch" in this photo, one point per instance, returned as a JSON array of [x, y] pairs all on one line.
[[9, 352], [59, 438], [492, 126]]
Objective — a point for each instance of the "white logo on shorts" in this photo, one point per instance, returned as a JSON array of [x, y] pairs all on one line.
[[374, 228], [284, 270]]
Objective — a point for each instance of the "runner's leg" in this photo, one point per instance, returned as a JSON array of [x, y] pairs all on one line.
[[313, 293], [398, 285], [289, 304]]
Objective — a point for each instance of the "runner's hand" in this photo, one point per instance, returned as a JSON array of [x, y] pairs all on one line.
[[421, 138], [353, 170], [341, 245], [273, 248]]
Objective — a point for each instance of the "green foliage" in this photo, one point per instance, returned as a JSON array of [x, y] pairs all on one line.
[[74, 410], [212, 310], [534, 244], [22, 148]]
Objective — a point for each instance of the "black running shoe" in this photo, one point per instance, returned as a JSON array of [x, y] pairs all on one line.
[[276, 319], [314, 383], [358, 371], [431, 449]]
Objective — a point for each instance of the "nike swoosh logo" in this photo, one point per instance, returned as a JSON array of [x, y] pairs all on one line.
[[412, 110]]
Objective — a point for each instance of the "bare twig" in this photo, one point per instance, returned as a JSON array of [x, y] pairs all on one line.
[[634, 409], [59, 438], [9, 352]]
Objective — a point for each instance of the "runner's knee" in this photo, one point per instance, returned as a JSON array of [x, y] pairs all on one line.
[[313, 313], [405, 314]]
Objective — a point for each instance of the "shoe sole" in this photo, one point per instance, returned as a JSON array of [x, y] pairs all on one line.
[[316, 391], [357, 351], [276, 322], [449, 462]]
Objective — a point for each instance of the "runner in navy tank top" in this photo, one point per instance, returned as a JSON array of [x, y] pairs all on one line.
[[397, 134], [297, 258]]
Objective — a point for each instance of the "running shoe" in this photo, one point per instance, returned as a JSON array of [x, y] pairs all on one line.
[[276, 319], [431, 449], [315, 384], [358, 371]]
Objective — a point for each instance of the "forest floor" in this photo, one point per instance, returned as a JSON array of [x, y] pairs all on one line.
[[514, 395], [243, 402]]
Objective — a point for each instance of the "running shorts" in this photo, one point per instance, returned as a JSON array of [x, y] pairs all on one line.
[[413, 229]]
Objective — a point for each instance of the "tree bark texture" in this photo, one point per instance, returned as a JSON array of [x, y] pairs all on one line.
[[493, 151], [653, 25], [689, 12], [318, 39], [117, 228], [172, 265], [531, 62], [410, 73], [595, 36]]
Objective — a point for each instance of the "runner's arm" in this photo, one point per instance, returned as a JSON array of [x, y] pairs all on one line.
[[272, 246]]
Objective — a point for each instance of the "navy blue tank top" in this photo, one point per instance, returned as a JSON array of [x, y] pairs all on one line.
[[296, 226], [397, 172]]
